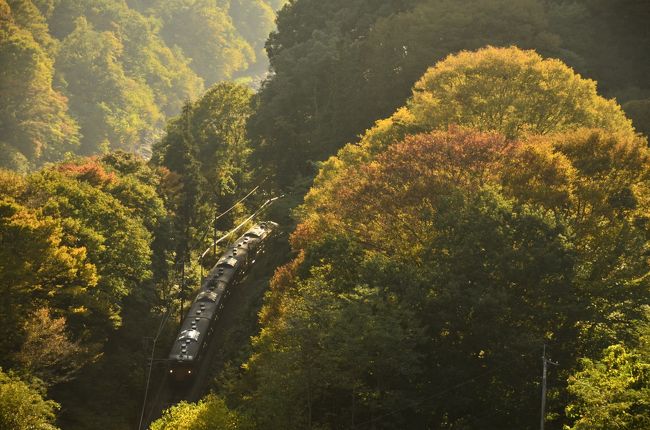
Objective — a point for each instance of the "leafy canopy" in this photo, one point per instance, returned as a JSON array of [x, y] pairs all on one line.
[[22, 405], [507, 90]]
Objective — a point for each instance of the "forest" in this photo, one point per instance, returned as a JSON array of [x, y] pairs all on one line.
[[466, 201]]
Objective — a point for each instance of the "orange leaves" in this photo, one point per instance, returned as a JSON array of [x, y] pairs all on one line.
[[418, 168], [90, 170]]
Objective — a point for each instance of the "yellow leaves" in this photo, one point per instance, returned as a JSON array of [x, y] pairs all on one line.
[[79, 310], [11, 183], [510, 90], [538, 173]]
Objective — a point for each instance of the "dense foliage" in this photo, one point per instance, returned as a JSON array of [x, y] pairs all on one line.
[[500, 205], [206, 151], [96, 75], [446, 263], [613, 391], [211, 413], [507, 90], [78, 240], [22, 406], [432, 266], [340, 65]]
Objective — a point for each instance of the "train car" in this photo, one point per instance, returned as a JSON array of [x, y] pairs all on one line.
[[198, 325], [191, 341]]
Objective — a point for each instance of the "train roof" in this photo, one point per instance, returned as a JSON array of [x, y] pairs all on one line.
[[227, 261], [190, 334], [207, 296]]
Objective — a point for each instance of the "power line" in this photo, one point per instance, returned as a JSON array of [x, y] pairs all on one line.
[[233, 206], [222, 238], [163, 321]]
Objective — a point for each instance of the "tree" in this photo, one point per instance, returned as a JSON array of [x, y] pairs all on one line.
[[339, 67], [513, 92], [211, 413], [37, 268], [215, 49], [34, 118], [22, 405], [614, 390], [306, 103], [118, 110], [206, 150], [47, 351], [496, 245], [504, 89], [254, 20]]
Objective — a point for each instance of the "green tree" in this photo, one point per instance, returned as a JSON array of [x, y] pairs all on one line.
[[34, 118], [254, 20], [338, 67], [211, 413], [206, 34], [22, 405], [495, 245], [504, 89], [114, 110], [116, 241], [145, 57], [37, 268], [613, 391], [206, 150]]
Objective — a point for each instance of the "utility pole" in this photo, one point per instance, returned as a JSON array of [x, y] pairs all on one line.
[[545, 362], [182, 292]]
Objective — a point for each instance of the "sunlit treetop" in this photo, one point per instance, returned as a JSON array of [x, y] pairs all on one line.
[[508, 90], [511, 91]]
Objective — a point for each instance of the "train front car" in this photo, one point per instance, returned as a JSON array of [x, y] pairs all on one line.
[[192, 340], [254, 238]]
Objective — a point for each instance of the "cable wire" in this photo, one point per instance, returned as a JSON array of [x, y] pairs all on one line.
[[233, 206], [222, 238]]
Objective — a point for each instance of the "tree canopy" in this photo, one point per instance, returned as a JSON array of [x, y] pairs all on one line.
[[337, 68], [99, 75], [508, 90], [477, 231], [22, 405], [474, 250]]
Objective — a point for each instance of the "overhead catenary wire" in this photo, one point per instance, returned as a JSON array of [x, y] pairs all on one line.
[[161, 326], [227, 211], [222, 238]]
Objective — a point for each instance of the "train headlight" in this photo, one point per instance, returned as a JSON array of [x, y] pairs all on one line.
[[171, 371], [189, 372]]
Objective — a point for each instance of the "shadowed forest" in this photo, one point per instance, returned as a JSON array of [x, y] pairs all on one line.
[[466, 184]]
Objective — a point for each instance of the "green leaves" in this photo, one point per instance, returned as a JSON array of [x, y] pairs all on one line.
[[118, 71], [613, 391], [211, 413], [78, 241], [22, 405], [206, 150], [467, 251], [34, 117]]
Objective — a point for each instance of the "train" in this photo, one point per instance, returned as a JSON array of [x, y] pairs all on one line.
[[199, 323]]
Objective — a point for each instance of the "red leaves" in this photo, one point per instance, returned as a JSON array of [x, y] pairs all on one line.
[[90, 170]]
